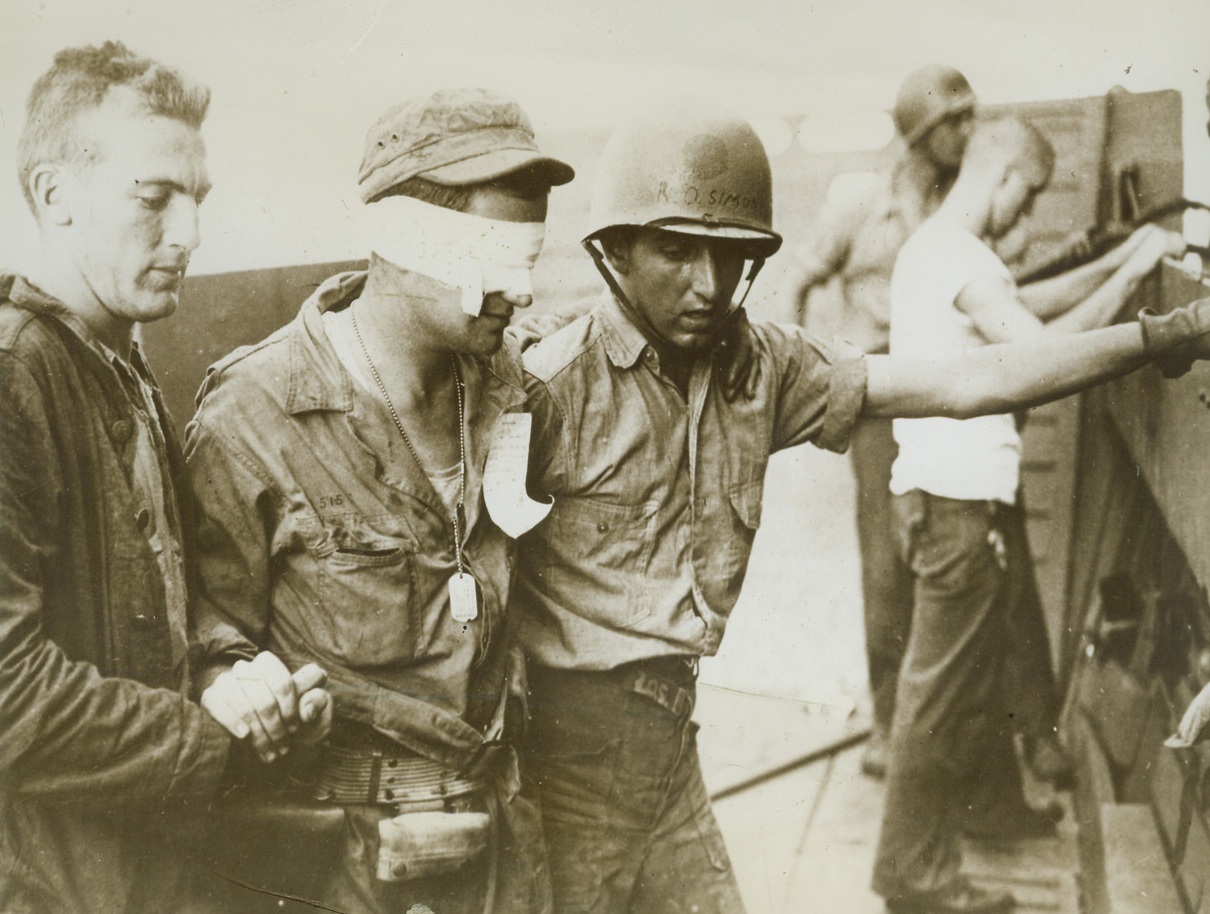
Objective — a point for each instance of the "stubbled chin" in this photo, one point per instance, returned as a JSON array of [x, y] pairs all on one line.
[[164, 306]]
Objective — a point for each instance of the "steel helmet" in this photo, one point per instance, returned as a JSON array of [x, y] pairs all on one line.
[[927, 97], [687, 168]]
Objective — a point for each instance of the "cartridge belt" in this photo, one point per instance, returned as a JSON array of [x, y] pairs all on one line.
[[352, 776]]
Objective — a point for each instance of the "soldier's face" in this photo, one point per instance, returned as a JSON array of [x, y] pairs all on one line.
[[946, 142], [680, 286], [1014, 200], [134, 207], [483, 334]]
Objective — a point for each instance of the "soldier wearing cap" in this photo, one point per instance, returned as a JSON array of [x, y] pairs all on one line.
[[658, 482], [339, 466]]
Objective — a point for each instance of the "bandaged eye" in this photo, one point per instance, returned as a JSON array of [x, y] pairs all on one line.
[[472, 253]]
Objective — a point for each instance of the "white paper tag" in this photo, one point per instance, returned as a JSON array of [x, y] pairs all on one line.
[[464, 597], [504, 477]]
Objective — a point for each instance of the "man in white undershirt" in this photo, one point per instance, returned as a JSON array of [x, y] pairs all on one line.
[[960, 524]]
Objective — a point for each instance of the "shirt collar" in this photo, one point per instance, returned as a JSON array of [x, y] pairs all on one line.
[[624, 342], [20, 291], [318, 381]]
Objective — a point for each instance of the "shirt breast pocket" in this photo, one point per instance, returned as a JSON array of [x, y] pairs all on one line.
[[368, 594], [745, 509], [617, 537], [598, 558]]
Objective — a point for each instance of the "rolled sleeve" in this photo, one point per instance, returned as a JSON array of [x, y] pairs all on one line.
[[846, 398], [821, 388]]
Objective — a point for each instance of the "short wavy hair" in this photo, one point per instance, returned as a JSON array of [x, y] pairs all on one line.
[[78, 81], [1012, 143]]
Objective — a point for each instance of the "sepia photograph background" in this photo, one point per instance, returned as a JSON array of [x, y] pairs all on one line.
[[296, 83]]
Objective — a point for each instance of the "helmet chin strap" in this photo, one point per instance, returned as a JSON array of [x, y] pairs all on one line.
[[758, 264], [615, 287], [598, 258]]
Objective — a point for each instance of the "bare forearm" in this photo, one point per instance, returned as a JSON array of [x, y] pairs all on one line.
[[1100, 308], [1049, 298], [814, 277], [1001, 378]]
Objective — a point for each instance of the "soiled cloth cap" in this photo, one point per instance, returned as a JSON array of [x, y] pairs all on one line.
[[453, 137]]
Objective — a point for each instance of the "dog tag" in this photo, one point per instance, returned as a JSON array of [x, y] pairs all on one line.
[[464, 597]]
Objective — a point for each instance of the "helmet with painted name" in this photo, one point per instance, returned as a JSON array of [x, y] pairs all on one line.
[[928, 96], [690, 168]]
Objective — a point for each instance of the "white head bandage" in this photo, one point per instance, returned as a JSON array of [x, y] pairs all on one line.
[[471, 253]]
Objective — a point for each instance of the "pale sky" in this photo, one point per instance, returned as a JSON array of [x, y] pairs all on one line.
[[297, 82]]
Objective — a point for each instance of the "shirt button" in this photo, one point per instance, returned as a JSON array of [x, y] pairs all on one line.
[[143, 518], [602, 527], [121, 430], [142, 622]]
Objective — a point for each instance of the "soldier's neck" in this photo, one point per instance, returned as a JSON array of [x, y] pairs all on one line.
[[64, 283]]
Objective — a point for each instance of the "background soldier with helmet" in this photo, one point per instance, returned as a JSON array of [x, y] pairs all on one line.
[[856, 241], [658, 483]]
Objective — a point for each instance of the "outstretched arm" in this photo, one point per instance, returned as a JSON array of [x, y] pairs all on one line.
[[1048, 298], [1010, 376], [1001, 313]]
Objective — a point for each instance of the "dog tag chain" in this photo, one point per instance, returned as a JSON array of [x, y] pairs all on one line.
[[463, 588]]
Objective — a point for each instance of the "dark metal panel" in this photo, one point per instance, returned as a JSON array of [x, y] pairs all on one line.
[[1166, 427], [219, 313]]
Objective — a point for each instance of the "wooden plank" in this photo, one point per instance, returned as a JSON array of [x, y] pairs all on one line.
[[1136, 871]]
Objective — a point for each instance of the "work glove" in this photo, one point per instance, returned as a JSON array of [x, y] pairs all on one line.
[[1177, 339], [736, 362]]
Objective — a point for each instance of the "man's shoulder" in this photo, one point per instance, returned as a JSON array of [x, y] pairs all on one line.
[[255, 361], [33, 337], [19, 327], [938, 235], [506, 363], [257, 370], [553, 355], [781, 341], [857, 196], [265, 361]]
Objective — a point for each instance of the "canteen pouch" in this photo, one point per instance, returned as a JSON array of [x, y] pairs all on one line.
[[419, 844]]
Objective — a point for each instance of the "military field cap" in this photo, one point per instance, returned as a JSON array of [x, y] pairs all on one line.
[[453, 137]]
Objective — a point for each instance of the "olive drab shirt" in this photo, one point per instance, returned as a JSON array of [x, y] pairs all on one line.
[[320, 537], [657, 497]]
